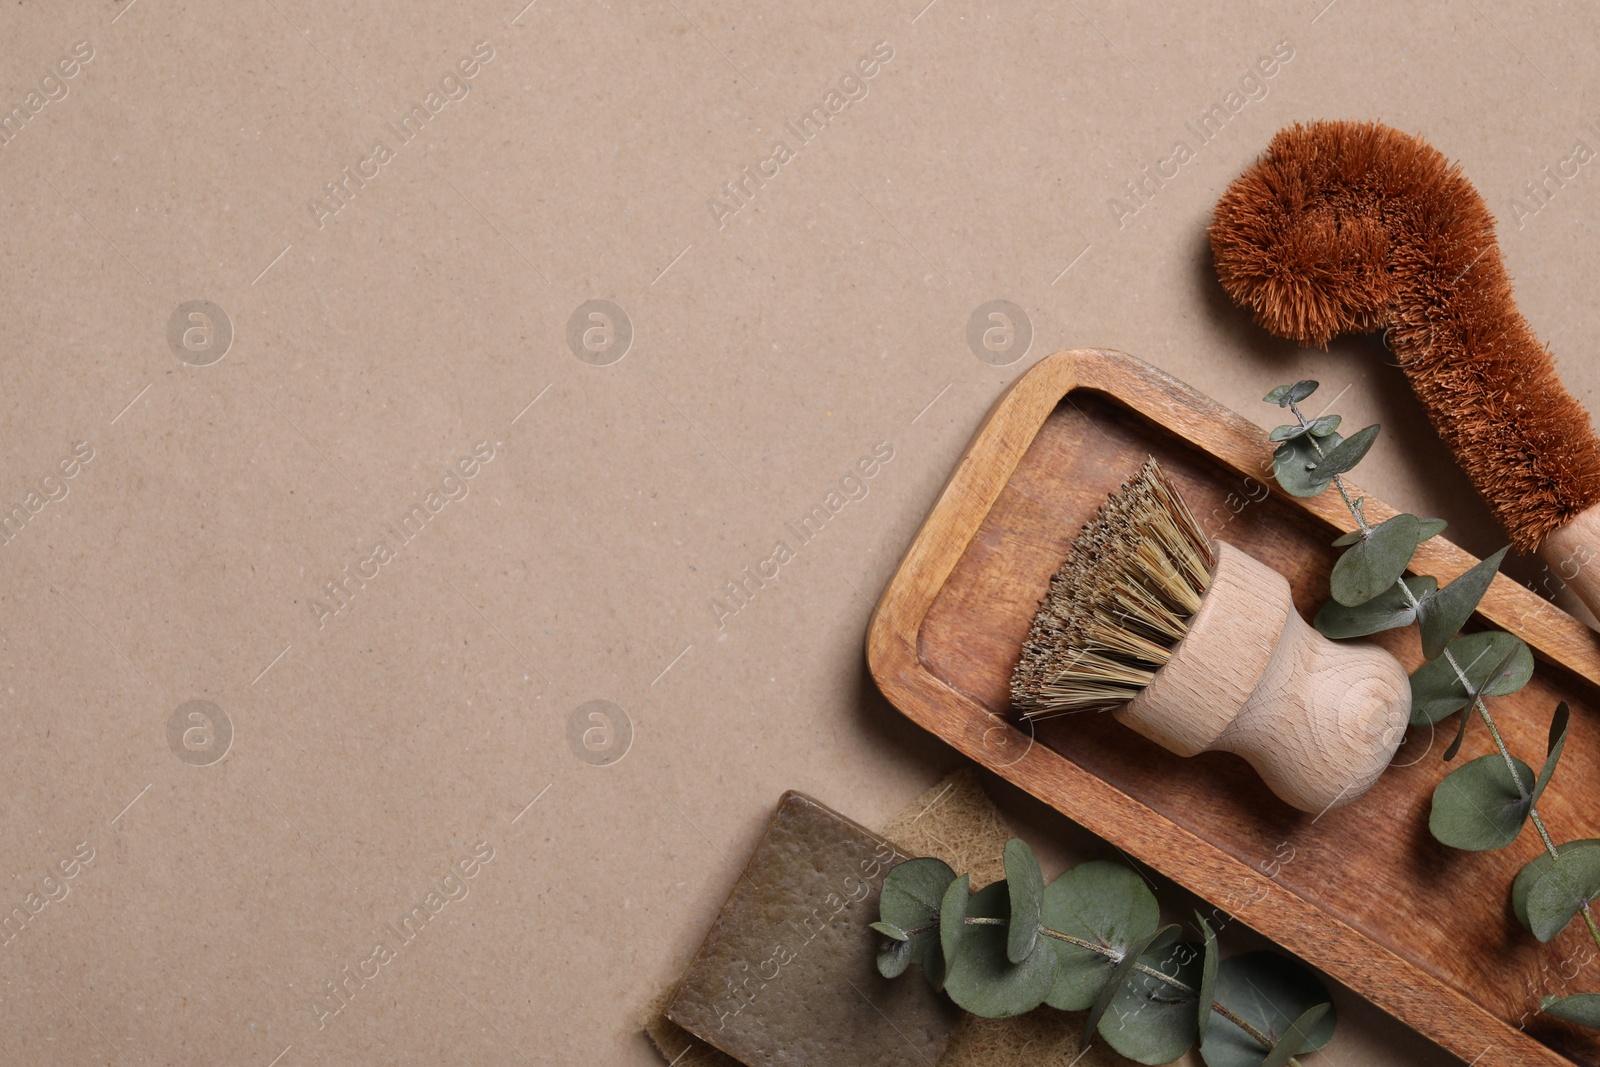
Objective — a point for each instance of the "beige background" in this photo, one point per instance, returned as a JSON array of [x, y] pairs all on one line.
[[769, 354]]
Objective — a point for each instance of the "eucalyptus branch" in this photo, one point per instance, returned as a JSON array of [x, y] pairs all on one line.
[[1153, 972], [1461, 674], [1372, 594], [988, 952], [1414, 603]]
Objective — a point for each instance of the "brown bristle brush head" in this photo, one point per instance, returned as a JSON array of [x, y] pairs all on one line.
[[1354, 226], [1198, 647], [1118, 605]]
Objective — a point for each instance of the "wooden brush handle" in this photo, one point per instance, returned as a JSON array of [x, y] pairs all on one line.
[[1573, 553], [1318, 720]]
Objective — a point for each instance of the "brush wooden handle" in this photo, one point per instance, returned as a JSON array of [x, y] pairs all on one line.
[[1318, 720], [1573, 553]]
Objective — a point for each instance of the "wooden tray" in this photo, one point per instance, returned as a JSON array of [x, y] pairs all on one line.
[[1362, 892]]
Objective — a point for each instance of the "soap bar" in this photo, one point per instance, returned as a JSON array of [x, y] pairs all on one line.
[[787, 976]]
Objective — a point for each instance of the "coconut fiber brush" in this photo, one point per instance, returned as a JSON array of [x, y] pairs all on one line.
[[1346, 226], [1198, 647]]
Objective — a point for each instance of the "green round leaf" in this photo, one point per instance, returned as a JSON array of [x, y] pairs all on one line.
[[1558, 894], [1386, 611], [891, 931], [1432, 528], [1513, 670], [953, 927], [1027, 888], [1445, 612], [1582, 1008], [894, 957], [1271, 993], [1121, 971], [1297, 1037], [1343, 457], [1318, 427], [912, 892], [1288, 432], [1105, 903], [1531, 872], [1478, 807], [982, 979], [1149, 1020], [1284, 395], [1294, 462], [1501, 674], [910, 900], [1437, 692], [1375, 563]]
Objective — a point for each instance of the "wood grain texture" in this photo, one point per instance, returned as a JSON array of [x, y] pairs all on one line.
[[1318, 720], [1573, 552], [1325, 720], [1423, 931], [1229, 644]]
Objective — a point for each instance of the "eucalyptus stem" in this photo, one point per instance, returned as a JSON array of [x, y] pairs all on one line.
[[1478, 705]]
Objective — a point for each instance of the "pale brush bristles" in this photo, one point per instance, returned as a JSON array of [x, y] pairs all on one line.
[[1118, 605]]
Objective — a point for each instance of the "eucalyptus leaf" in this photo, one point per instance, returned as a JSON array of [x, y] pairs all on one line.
[[1119, 975], [1270, 992], [1445, 612], [1298, 1036], [1165, 938], [1027, 887], [1496, 671], [1454, 748], [982, 979], [1581, 1008], [1429, 529], [1151, 1020], [1531, 872], [894, 958], [1105, 904], [1556, 897], [890, 930], [1344, 456], [912, 892], [1436, 690], [1558, 741], [953, 927], [910, 899], [1284, 395], [1376, 561], [1478, 806], [1386, 611], [1208, 978], [1318, 427], [1511, 673], [1293, 464]]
